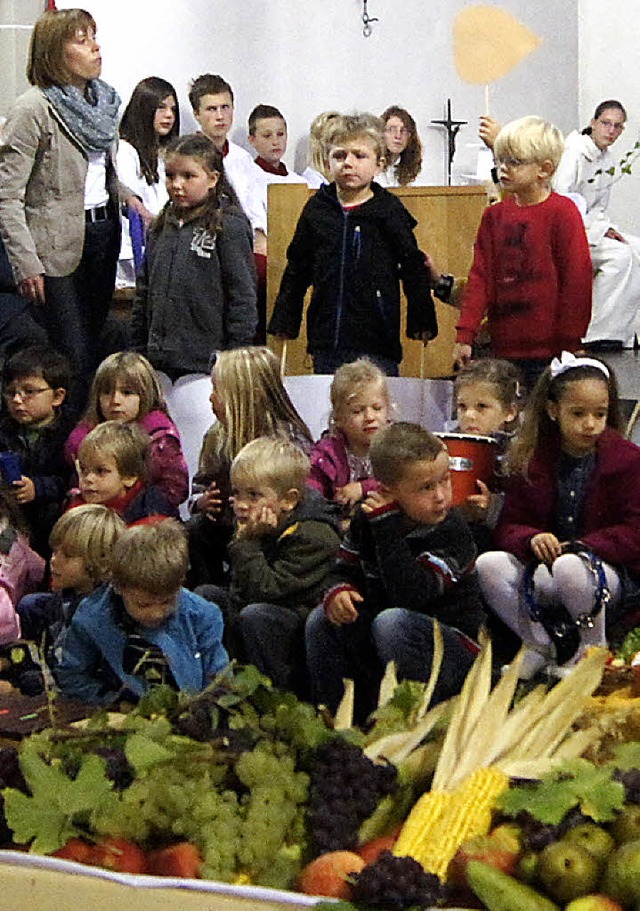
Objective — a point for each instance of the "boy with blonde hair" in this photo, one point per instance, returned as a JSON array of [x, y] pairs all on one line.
[[82, 543], [285, 541], [531, 272], [145, 628], [353, 242], [112, 470], [406, 561]]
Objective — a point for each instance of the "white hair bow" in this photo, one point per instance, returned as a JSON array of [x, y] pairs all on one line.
[[568, 361]]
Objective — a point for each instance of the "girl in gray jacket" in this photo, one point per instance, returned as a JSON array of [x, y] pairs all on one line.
[[197, 291]]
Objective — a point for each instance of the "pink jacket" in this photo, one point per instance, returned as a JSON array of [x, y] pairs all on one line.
[[330, 467], [167, 464], [21, 571]]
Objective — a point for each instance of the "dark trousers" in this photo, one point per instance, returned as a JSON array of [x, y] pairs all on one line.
[[77, 305]]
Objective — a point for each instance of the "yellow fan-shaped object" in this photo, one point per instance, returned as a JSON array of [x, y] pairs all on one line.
[[488, 42]]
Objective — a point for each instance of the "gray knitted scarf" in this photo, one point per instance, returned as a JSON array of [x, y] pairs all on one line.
[[90, 117]]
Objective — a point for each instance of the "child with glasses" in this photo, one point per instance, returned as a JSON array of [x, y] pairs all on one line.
[[531, 274], [34, 425]]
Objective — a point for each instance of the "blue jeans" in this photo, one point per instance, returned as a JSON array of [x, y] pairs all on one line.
[[361, 651], [328, 361]]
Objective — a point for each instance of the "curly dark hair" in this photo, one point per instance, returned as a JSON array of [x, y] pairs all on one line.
[[409, 163]]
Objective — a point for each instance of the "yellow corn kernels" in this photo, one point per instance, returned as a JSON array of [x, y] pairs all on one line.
[[436, 828]]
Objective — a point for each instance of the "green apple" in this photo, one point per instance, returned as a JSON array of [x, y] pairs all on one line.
[[592, 837], [593, 902], [621, 878], [567, 870], [527, 867], [626, 826]]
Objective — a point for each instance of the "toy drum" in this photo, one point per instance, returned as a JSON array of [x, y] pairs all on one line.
[[471, 458]]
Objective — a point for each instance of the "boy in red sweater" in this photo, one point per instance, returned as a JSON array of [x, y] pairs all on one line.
[[531, 272]]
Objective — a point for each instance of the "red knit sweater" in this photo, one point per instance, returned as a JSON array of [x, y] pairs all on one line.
[[532, 277]]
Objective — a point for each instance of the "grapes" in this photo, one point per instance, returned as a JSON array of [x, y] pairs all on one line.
[[536, 835], [393, 883], [118, 769], [630, 778], [346, 787]]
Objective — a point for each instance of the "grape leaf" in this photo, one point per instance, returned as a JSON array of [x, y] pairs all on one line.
[[576, 783], [627, 756], [49, 817]]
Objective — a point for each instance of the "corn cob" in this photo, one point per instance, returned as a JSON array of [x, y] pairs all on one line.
[[436, 827]]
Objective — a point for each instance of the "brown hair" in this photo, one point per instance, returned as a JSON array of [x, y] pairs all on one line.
[[401, 444], [46, 64], [207, 84], [409, 162], [90, 532], [127, 368], [126, 444], [272, 461], [537, 426], [153, 558], [346, 127]]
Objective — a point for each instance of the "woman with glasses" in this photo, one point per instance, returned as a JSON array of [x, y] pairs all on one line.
[[404, 149], [584, 170]]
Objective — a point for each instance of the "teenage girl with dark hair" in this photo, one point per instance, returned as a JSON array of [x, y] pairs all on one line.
[[404, 149]]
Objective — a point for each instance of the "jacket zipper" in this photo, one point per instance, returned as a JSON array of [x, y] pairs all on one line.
[[343, 256]]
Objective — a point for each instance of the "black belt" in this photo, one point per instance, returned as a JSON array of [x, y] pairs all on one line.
[[98, 213]]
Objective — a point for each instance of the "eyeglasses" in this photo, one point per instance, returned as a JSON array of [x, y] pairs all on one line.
[[512, 162], [24, 394], [610, 125], [397, 131]]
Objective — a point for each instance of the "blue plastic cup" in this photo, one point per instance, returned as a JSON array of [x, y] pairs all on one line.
[[10, 467]]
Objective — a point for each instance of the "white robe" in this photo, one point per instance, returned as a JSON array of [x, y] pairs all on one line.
[[616, 286]]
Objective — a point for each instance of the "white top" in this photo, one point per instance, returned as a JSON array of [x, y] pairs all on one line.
[[248, 180], [387, 178], [281, 178], [95, 185], [582, 170], [313, 178], [154, 195]]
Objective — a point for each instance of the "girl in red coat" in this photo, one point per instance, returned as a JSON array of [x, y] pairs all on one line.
[[569, 532]]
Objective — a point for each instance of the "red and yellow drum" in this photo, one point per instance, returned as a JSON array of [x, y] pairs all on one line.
[[471, 458]]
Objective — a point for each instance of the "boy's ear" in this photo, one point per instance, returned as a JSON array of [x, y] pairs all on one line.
[[129, 482], [291, 499], [546, 169], [251, 138], [388, 489], [59, 395]]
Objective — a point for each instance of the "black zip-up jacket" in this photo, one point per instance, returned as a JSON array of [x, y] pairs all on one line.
[[396, 562], [355, 259]]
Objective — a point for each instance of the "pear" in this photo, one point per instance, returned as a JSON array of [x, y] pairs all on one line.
[[567, 870], [592, 837], [621, 878]]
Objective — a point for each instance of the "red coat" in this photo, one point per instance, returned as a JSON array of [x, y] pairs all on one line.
[[532, 277], [610, 520]]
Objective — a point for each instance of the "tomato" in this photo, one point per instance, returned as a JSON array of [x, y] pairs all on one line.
[[182, 859]]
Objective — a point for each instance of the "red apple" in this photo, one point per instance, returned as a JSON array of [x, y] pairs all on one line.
[[593, 902], [371, 850], [500, 850]]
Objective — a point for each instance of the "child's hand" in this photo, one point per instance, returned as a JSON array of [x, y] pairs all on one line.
[[376, 499], [24, 490], [477, 504], [350, 494], [546, 547], [264, 522], [341, 609], [488, 130], [461, 355], [210, 502], [436, 275]]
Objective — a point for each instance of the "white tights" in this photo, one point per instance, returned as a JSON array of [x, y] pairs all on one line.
[[568, 581]]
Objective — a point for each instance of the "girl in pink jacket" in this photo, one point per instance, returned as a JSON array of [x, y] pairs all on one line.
[[125, 388]]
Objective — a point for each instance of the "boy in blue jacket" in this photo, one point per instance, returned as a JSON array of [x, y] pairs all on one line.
[[143, 629]]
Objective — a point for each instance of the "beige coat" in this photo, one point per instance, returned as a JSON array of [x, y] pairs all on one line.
[[42, 177]]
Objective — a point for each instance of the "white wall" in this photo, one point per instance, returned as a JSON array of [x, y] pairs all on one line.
[[609, 36], [306, 56]]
